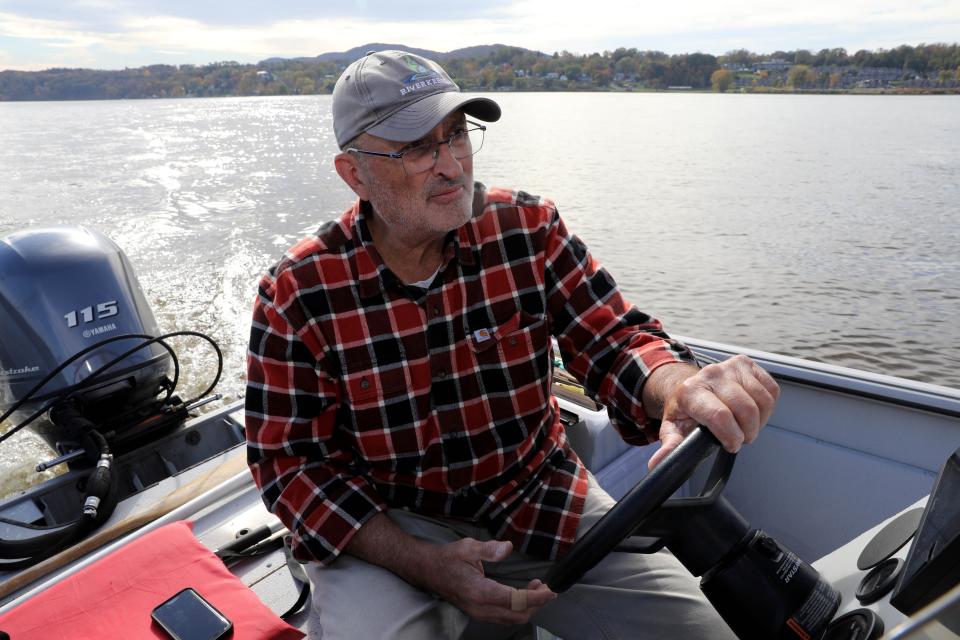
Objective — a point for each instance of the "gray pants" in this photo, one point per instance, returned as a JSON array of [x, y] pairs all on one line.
[[625, 596]]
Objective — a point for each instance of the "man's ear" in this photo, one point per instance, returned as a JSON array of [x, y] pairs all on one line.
[[349, 169]]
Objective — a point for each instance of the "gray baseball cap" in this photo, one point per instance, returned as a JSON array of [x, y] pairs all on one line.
[[399, 96]]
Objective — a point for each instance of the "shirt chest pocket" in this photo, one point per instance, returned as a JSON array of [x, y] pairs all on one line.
[[513, 363]]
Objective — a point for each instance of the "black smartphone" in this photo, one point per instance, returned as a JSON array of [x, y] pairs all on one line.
[[188, 616]]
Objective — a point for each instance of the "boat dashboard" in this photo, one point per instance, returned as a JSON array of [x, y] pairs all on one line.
[[878, 586], [904, 573]]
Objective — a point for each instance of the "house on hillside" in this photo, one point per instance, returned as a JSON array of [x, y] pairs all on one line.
[[777, 64]]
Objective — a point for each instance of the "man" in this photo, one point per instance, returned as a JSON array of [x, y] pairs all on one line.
[[399, 416]]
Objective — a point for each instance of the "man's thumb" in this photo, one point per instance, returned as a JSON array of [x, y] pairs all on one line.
[[669, 440]]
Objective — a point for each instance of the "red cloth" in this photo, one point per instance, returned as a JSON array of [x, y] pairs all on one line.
[[113, 597]]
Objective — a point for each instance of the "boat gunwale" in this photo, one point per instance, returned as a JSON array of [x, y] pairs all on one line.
[[903, 392]]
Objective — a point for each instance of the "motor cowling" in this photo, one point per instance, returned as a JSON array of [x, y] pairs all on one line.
[[62, 290]]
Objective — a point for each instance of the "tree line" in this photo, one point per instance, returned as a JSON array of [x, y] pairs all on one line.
[[510, 68]]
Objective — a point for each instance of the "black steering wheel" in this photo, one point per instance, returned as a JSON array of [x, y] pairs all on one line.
[[643, 502]]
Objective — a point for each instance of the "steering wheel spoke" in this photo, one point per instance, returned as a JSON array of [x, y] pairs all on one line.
[[641, 504]]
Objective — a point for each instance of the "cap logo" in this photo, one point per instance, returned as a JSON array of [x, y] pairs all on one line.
[[420, 78]]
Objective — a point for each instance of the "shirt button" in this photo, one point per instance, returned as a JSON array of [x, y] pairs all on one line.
[[513, 342], [436, 311], [442, 375], [364, 384]]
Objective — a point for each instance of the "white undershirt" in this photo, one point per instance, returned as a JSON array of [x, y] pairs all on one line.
[[425, 283]]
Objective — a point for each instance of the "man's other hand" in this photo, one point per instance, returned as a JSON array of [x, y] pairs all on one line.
[[458, 578], [733, 399]]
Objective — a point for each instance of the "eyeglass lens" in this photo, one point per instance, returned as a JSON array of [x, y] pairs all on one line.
[[461, 145]]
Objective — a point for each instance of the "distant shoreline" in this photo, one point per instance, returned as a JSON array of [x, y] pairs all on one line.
[[922, 70], [773, 92]]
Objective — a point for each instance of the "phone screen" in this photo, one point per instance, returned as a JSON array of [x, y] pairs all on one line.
[[187, 616]]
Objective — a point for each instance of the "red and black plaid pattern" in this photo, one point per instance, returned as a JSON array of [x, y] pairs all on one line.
[[365, 394]]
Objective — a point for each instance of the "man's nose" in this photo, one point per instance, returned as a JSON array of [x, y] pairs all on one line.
[[446, 164]]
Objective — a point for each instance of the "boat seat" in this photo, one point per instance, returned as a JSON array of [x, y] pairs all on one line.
[[616, 465]]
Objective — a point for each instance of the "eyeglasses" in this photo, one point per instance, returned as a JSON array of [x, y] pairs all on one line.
[[422, 155]]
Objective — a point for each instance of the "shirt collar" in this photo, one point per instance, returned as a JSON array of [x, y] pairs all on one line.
[[372, 275], [465, 238]]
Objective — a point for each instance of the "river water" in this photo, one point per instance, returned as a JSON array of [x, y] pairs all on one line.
[[824, 227]]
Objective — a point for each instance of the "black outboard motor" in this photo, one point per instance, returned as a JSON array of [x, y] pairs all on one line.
[[79, 343], [63, 290]]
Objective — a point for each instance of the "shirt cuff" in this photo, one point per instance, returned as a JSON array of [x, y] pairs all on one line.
[[348, 504], [634, 425]]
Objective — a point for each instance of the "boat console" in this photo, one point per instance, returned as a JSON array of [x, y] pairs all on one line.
[[906, 570]]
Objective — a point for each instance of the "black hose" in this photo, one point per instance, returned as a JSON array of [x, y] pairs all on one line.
[[100, 500], [63, 365], [92, 378], [89, 380], [161, 340], [102, 486]]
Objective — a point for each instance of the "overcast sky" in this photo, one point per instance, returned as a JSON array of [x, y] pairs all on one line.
[[112, 34]]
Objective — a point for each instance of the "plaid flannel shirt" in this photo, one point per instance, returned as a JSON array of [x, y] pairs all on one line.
[[365, 394]]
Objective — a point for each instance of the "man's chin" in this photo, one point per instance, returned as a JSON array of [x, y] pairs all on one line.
[[456, 219], [457, 210]]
